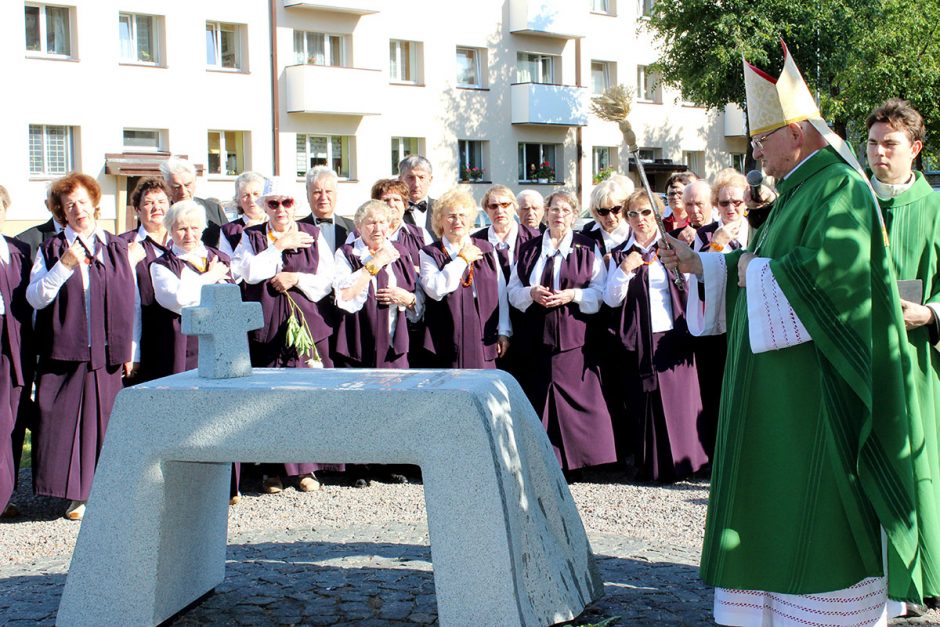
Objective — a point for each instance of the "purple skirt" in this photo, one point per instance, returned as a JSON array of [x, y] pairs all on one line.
[[74, 407], [7, 422]]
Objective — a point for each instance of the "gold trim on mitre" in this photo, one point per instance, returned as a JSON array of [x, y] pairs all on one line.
[[776, 102]]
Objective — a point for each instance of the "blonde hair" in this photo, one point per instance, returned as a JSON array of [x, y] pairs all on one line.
[[457, 197]]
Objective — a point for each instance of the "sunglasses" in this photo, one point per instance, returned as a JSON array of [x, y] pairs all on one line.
[[637, 214], [499, 205], [606, 212], [728, 203], [287, 203]]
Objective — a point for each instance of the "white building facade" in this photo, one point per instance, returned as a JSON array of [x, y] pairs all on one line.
[[503, 87]]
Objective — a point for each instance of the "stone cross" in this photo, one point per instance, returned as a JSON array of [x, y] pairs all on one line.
[[222, 322]]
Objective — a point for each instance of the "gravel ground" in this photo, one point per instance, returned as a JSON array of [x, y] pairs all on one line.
[[607, 503]]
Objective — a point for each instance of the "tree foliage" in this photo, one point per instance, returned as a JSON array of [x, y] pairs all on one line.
[[854, 54]]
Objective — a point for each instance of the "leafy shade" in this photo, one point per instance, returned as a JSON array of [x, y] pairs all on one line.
[[853, 53]]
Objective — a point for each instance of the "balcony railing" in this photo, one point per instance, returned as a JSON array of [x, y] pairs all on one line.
[[336, 90], [558, 105], [551, 18]]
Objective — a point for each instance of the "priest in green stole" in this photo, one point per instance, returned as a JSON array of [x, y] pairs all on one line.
[[821, 480], [912, 214]]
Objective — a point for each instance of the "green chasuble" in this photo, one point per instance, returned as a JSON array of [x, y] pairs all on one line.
[[819, 446], [913, 221]]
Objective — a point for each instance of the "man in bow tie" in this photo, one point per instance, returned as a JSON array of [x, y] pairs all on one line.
[[415, 172], [321, 195]]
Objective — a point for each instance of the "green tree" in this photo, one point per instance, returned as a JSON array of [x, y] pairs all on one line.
[[853, 53]]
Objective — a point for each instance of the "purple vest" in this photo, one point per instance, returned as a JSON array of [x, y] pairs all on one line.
[[149, 309], [17, 320], [411, 238], [459, 329], [233, 232], [274, 305], [363, 336], [523, 235], [62, 327], [178, 352], [575, 272]]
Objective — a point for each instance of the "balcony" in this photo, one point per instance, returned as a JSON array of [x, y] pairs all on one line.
[[334, 90], [556, 105], [355, 7], [550, 18], [735, 121]]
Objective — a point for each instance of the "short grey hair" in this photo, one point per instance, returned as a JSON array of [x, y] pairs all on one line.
[[320, 172], [564, 194], [247, 177], [176, 165], [184, 209], [370, 207], [414, 162], [532, 195]]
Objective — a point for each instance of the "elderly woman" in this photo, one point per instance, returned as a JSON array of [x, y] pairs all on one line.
[[248, 188], [375, 285], [394, 193], [608, 229], [151, 200], [466, 313], [659, 373], [82, 287], [17, 358], [288, 268], [531, 209], [558, 283]]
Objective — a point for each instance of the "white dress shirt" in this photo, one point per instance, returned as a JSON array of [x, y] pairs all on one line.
[[588, 299], [616, 237], [258, 267]]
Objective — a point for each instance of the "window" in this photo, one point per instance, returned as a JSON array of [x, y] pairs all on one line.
[[533, 157], [138, 38], [401, 148], [603, 158], [319, 49], [223, 46], [48, 30], [647, 85], [226, 152], [50, 150], [644, 8], [470, 160], [649, 155], [603, 6], [601, 76], [471, 63], [404, 57], [738, 161], [533, 67], [328, 150], [144, 139], [695, 159]]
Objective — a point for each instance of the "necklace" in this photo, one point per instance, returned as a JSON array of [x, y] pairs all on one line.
[[469, 280]]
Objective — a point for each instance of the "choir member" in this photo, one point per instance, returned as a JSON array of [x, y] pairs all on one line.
[[609, 229], [248, 188], [558, 283], [394, 193], [82, 287], [466, 313], [659, 373]]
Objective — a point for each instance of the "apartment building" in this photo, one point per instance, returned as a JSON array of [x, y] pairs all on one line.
[[111, 87]]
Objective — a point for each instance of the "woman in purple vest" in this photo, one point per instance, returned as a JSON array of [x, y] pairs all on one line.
[[151, 200], [279, 261], [659, 373], [394, 193], [558, 283], [17, 357], [82, 287], [375, 286], [248, 189], [466, 313]]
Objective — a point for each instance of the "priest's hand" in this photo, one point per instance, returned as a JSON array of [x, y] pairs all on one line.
[[680, 255], [915, 315], [743, 262]]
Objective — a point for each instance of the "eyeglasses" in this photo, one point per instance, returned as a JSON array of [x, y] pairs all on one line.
[[606, 212], [637, 214], [728, 203], [758, 142], [499, 205], [674, 192], [287, 203]]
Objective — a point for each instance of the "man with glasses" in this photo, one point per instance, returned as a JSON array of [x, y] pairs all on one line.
[[821, 502], [676, 217]]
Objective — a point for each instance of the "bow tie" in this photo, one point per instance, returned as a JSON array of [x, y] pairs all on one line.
[[420, 206], [323, 221]]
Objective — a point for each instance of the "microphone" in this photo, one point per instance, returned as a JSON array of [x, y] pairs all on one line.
[[754, 179]]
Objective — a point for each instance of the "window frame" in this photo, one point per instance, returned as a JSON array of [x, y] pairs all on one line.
[[218, 28], [414, 54], [644, 8], [345, 145], [399, 147], [523, 171], [478, 65], [608, 75], [471, 153], [133, 42], [242, 138], [303, 57], [69, 151], [160, 135], [536, 58], [42, 31], [596, 151], [643, 79]]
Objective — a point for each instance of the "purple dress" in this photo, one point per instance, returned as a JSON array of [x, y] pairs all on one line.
[[17, 361], [461, 330], [562, 380], [661, 382], [362, 338], [79, 377]]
